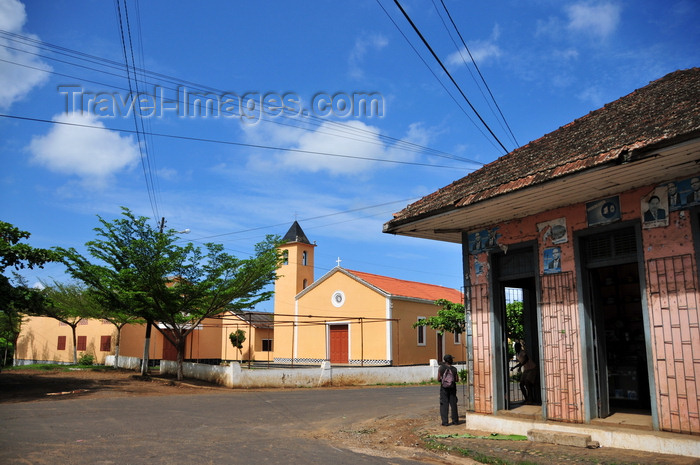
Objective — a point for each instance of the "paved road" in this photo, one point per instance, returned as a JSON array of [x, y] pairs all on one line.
[[237, 427]]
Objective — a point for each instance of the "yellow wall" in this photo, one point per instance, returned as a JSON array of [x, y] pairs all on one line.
[[287, 286], [38, 340], [366, 314]]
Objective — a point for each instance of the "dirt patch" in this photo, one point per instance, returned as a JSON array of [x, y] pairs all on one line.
[[427, 441], [32, 385]]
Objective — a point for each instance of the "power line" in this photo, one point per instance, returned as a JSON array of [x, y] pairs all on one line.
[[478, 128], [476, 67], [312, 119], [143, 149], [444, 68], [239, 144]]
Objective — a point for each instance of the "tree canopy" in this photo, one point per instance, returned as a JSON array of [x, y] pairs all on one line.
[[450, 318], [146, 273], [16, 297]]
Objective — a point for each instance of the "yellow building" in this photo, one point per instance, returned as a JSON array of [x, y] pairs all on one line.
[[352, 317], [45, 340]]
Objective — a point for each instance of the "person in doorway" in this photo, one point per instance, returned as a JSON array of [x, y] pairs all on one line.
[[448, 378], [528, 378]]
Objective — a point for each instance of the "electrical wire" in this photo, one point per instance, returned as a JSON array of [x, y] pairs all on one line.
[[449, 75], [239, 144], [314, 120], [471, 57]]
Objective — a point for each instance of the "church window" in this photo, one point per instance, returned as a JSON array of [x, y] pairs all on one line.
[[304, 259], [285, 257]]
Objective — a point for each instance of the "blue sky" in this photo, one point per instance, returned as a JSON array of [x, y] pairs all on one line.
[[232, 178]]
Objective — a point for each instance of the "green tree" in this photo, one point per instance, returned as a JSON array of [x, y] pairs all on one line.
[[450, 318], [515, 329], [237, 339], [68, 303], [16, 297], [177, 286]]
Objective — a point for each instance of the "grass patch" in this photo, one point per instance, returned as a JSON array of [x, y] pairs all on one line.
[[432, 444], [57, 367], [493, 436]]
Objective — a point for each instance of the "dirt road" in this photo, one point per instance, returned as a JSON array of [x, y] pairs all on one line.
[[172, 422]]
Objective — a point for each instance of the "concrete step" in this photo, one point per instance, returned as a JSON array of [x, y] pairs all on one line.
[[562, 439]]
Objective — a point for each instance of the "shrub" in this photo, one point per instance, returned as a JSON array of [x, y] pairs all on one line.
[[86, 360]]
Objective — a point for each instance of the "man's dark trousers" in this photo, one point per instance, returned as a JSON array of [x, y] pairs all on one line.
[[448, 400]]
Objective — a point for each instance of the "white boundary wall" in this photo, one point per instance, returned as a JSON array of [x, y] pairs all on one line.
[[235, 377], [130, 363]]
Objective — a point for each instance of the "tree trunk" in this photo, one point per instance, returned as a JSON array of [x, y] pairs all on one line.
[[180, 357], [116, 347], [146, 348], [75, 346]]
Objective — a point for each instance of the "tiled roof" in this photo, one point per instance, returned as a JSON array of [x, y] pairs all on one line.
[[665, 111], [401, 288]]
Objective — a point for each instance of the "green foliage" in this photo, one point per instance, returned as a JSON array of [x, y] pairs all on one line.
[[16, 297], [463, 375], [237, 338], [146, 273], [450, 318], [515, 329], [86, 360]]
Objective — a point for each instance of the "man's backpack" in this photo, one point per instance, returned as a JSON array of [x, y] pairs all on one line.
[[448, 377]]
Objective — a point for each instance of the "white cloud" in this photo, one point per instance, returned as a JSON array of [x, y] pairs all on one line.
[[353, 138], [93, 155], [481, 50], [599, 20], [17, 76], [373, 42]]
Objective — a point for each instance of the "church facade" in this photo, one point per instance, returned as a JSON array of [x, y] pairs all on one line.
[[350, 317]]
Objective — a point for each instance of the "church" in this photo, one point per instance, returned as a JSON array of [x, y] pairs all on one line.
[[351, 317]]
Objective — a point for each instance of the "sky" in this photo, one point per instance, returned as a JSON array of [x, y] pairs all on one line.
[[334, 114]]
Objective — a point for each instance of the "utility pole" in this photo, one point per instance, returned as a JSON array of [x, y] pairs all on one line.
[[149, 325]]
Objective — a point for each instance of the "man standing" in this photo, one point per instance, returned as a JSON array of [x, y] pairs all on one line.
[[448, 378]]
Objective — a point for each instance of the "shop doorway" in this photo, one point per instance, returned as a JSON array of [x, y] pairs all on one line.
[[516, 311], [619, 342]]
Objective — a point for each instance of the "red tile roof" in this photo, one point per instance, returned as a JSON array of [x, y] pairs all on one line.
[[664, 112], [402, 288]]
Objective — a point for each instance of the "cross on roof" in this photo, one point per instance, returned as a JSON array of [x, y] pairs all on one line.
[[338, 261]]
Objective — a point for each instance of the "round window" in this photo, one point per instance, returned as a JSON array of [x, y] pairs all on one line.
[[338, 299]]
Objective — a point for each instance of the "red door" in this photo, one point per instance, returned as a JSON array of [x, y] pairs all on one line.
[[339, 343], [169, 350]]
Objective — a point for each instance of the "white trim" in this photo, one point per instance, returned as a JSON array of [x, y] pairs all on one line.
[[338, 298], [295, 330], [328, 338], [389, 340]]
